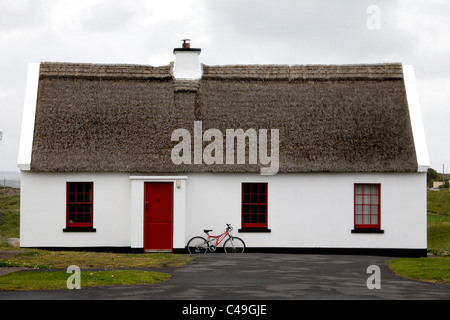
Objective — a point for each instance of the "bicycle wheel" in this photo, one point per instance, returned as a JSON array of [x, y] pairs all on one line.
[[197, 245], [234, 245]]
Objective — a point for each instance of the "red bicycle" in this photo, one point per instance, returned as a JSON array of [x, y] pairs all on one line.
[[231, 245]]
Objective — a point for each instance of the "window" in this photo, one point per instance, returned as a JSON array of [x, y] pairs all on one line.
[[79, 212], [367, 206], [254, 206]]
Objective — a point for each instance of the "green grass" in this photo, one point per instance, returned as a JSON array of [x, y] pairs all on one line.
[[438, 222], [439, 238], [435, 269], [439, 201], [42, 259], [45, 280], [9, 214]]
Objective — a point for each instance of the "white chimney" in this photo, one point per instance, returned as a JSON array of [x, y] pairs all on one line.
[[187, 65]]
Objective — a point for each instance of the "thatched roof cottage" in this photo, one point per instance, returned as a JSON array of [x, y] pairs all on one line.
[[296, 157]]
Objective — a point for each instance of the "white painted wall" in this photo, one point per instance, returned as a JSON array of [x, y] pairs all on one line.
[[312, 210], [43, 210], [304, 210], [118, 210]]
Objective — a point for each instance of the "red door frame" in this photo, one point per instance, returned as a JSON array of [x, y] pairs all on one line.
[[158, 216]]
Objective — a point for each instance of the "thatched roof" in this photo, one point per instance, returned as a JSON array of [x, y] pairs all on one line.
[[119, 118]]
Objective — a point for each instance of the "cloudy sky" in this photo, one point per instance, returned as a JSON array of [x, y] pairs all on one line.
[[229, 32]]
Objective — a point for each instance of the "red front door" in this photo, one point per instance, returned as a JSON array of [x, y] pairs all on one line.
[[158, 216]]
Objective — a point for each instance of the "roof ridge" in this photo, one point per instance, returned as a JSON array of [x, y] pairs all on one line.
[[97, 70], [380, 71]]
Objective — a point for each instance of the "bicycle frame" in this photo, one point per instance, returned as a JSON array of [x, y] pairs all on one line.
[[218, 239]]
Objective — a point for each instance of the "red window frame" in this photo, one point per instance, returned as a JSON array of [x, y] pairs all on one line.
[[254, 205], [367, 206], [80, 204]]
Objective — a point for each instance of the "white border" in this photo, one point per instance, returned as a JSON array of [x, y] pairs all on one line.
[[416, 119], [28, 117]]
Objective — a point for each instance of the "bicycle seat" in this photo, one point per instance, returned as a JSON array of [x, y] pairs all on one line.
[[206, 231]]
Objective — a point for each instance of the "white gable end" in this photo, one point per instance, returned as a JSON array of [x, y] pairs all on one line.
[[420, 142]]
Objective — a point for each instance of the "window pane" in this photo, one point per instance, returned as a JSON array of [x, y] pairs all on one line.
[[254, 188], [72, 187], [374, 219], [366, 189], [374, 189], [245, 209], [366, 209], [366, 200], [374, 210], [246, 218], [366, 219], [262, 198], [246, 198], [262, 218], [254, 198], [262, 188], [374, 200], [246, 188], [358, 219], [254, 218], [358, 209], [358, 189], [358, 199]]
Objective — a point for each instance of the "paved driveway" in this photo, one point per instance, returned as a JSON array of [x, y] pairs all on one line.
[[255, 276]]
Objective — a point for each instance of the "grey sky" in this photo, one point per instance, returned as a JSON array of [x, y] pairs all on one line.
[[229, 32]]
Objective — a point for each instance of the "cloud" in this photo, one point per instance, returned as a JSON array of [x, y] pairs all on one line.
[[306, 32], [229, 32]]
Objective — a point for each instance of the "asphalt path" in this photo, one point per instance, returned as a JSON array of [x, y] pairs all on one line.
[[262, 277]]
